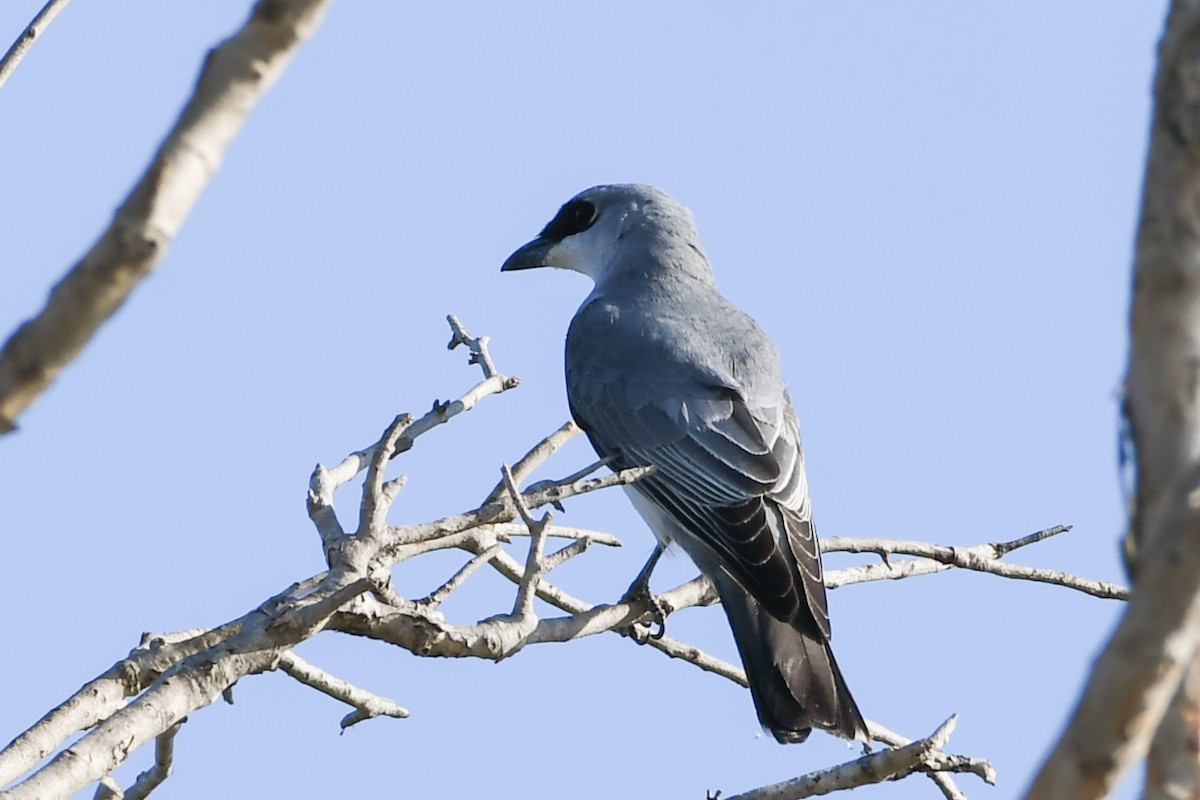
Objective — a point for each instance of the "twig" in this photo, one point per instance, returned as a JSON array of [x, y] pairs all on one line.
[[942, 780], [326, 480], [404, 432], [566, 553], [25, 41], [499, 512], [1004, 548], [367, 705], [535, 457], [509, 529], [535, 565], [164, 758], [435, 598], [478, 346], [579, 475], [321, 486], [377, 496], [980, 558]]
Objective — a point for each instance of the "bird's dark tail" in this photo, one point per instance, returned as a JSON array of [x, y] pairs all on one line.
[[794, 679]]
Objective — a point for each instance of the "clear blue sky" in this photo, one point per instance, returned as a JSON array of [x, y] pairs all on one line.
[[930, 206]]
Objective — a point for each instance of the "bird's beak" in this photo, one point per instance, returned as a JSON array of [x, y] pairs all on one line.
[[534, 254]]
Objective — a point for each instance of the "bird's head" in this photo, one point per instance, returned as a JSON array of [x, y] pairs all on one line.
[[597, 227]]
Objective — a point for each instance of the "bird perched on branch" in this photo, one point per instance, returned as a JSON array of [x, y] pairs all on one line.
[[662, 370]]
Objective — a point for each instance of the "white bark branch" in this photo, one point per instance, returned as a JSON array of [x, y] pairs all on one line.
[[536, 456], [151, 779], [888, 765], [171, 676], [942, 779], [20, 48], [1140, 669], [234, 76], [535, 564], [1172, 766], [104, 695], [194, 670], [980, 558], [367, 705]]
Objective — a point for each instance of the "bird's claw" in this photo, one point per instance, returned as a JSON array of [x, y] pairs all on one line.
[[639, 594], [659, 611], [653, 623]]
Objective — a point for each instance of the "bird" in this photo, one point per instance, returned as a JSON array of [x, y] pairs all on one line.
[[663, 371]]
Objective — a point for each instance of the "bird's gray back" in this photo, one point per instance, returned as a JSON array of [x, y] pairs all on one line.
[[681, 350]]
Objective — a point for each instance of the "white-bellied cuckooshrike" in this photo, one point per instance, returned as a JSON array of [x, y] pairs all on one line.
[[662, 370]]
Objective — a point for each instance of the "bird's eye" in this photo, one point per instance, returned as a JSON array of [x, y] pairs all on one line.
[[575, 217]]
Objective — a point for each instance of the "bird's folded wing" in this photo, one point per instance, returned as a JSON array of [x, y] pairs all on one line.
[[730, 474]]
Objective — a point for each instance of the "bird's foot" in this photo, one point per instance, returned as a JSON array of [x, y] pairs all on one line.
[[639, 594], [656, 626]]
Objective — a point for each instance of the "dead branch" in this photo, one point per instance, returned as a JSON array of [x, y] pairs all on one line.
[[20, 48], [366, 704], [168, 677], [1138, 675], [892, 764], [151, 779], [234, 76], [172, 676], [981, 558]]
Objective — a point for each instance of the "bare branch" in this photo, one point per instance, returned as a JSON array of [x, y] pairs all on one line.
[[1141, 668], [887, 765], [941, 779], [164, 757], [438, 596], [104, 695], [355, 596], [890, 570], [698, 591], [377, 497], [550, 493], [1004, 548], [234, 76], [535, 565], [366, 704], [535, 457], [25, 41], [325, 481], [510, 529], [566, 553], [478, 347], [1172, 766], [980, 558]]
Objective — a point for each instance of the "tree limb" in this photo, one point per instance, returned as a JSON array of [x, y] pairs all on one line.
[[366, 705], [170, 676], [887, 765], [1141, 667], [234, 76], [980, 558], [151, 779]]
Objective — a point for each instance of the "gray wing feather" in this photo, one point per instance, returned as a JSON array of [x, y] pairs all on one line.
[[725, 444]]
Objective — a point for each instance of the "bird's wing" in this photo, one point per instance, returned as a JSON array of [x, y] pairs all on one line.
[[729, 469]]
